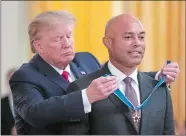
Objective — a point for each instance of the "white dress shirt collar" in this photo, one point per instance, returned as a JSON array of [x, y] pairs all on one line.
[[121, 76], [61, 71]]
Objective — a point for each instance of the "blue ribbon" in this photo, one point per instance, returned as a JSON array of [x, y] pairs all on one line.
[[124, 99]]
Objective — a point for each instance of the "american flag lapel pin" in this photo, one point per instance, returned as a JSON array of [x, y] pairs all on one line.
[[83, 72]]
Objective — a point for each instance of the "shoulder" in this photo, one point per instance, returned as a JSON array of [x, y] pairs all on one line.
[[86, 57], [86, 61], [24, 73], [83, 54], [147, 79]]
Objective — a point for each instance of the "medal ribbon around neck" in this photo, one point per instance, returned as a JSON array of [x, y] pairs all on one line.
[[124, 99]]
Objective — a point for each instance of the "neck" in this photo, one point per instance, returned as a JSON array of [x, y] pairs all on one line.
[[127, 70]]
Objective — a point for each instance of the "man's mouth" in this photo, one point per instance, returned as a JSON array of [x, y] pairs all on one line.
[[135, 52], [67, 53]]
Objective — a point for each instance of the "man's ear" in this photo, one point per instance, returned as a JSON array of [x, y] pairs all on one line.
[[37, 46], [107, 42]]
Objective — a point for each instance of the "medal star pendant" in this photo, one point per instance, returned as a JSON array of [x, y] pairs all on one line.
[[136, 117]]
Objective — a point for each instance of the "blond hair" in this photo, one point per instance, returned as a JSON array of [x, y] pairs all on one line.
[[46, 20]]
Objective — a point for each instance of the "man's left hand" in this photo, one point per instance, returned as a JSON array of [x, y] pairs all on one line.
[[171, 71]]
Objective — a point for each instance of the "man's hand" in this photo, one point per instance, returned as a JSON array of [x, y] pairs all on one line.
[[101, 88], [171, 71]]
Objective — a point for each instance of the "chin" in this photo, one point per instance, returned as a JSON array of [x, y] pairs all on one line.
[[69, 58], [135, 62]]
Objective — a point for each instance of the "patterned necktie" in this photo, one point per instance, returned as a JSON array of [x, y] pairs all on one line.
[[132, 97], [65, 76]]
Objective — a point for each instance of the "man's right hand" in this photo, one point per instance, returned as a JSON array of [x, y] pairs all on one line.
[[101, 88]]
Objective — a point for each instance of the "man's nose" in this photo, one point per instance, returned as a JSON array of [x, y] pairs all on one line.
[[66, 42], [137, 42]]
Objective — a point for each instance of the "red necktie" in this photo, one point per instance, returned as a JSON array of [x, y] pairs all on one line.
[[65, 76]]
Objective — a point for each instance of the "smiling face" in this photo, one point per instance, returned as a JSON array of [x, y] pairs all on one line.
[[127, 41]]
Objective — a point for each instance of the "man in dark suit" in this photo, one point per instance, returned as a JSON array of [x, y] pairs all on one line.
[[125, 41], [39, 87], [41, 103], [7, 120]]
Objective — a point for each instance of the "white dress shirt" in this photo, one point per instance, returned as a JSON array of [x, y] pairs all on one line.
[[71, 77], [121, 76]]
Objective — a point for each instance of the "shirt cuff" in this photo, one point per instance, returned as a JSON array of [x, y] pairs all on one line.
[[157, 75], [86, 103]]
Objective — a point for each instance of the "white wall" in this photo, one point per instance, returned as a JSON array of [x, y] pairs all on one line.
[[14, 37]]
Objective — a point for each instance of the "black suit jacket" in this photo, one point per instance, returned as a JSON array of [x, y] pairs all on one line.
[[111, 117], [39, 95], [7, 120]]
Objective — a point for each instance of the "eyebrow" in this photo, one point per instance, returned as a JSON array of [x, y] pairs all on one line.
[[133, 33]]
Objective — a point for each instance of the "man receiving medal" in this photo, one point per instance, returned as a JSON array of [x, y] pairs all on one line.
[[139, 104]]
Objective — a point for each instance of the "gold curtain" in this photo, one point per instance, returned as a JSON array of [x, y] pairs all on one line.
[[164, 22], [91, 19]]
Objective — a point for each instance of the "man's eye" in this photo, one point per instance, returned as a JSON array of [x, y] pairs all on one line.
[[142, 37], [128, 37], [58, 38]]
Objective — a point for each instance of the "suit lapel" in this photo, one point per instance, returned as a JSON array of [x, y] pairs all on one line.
[[146, 85], [49, 72], [57, 79], [122, 108], [77, 71], [117, 102]]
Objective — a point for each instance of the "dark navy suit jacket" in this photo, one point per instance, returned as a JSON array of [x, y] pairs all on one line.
[[112, 117], [39, 93]]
